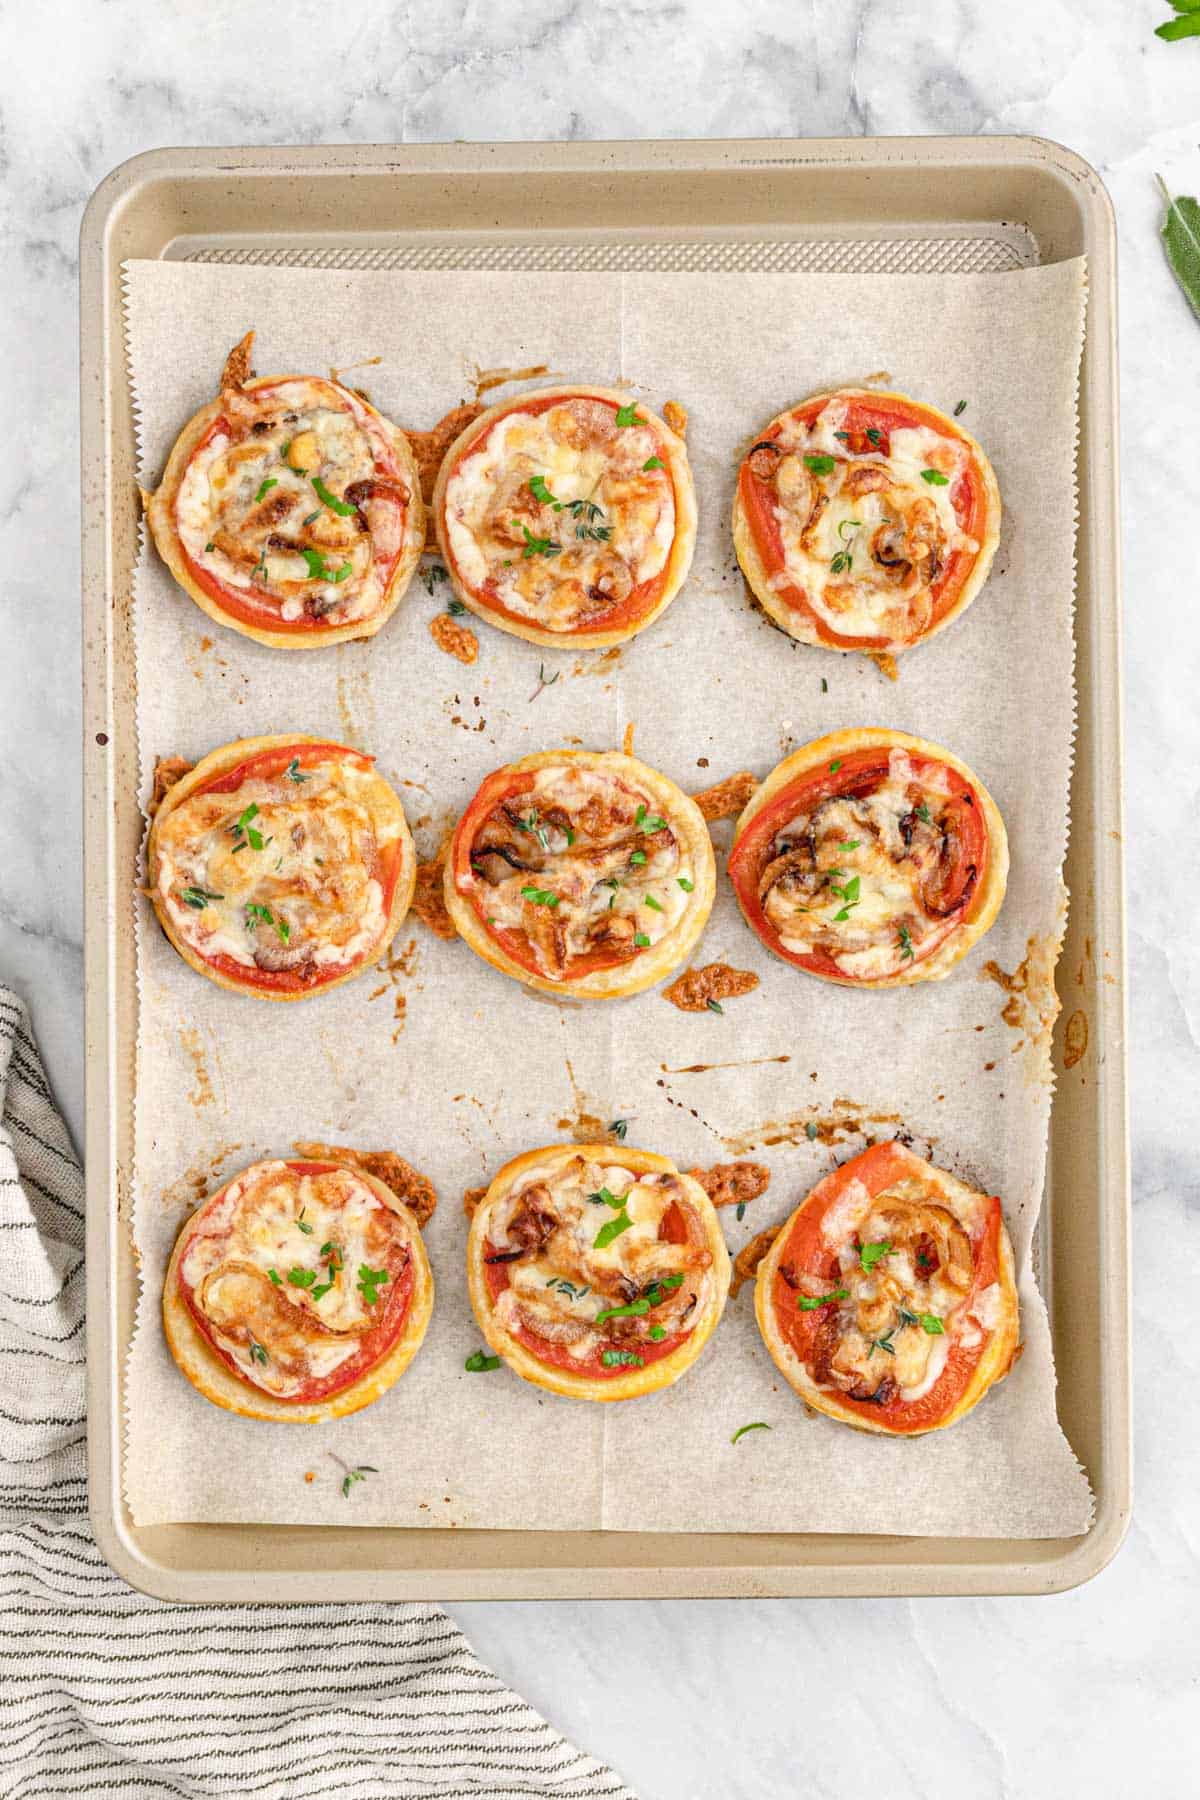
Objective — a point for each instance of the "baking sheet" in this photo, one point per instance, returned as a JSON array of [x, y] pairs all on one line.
[[474, 1069]]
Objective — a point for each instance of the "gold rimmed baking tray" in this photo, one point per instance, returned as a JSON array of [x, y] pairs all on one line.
[[873, 205]]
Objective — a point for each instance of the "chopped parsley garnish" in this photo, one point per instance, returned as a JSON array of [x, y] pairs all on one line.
[[619, 1129], [479, 1362], [538, 546], [628, 415], [905, 942], [935, 478], [685, 884], [652, 903], [352, 1476], [302, 1278], [246, 831], [294, 771], [658, 1333], [641, 941], [757, 1425], [824, 685], [274, 1274], [208, 548], [811, 1302], [611, 1230], [835, 766], [820, 465], [932, 1324], [654, 462], [302, 1223], [923, 813], [540, 896], [199, 897], [621, 1359], [561, 1285], [602, 1197], [870, 1254], [540, 492], [637, 859], [851, 844], [369, 1281], [265, 489], [960, 409], [715, 1006], [319, 570], [848, 894], [636, 1309], [340, 507], [257, 1352], [645, 821]]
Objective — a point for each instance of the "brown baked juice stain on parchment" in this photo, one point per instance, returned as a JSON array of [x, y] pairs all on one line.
[[1075, 1038], [485, 380], [203, 1093], [196, 1183], [603, 664], [1032, 1004], [748, 1062], [397, 965], [845, 1119], [355, 701], [1086, 970], [368, 362], [583, 1124]]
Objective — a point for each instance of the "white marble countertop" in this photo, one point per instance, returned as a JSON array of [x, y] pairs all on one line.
[[1088, 1692]]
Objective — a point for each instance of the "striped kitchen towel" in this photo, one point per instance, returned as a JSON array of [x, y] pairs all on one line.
[[103, 1691]]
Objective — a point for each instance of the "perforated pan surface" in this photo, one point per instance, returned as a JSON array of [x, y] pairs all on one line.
[[885, 206]]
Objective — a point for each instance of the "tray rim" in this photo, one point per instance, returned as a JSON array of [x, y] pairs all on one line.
[[872, 1566]]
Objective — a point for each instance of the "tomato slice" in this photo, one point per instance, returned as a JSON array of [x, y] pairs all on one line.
[[498, 788], [268, 765], [858, 773], [806, 1252], [374, 1344], [881, 416], [640, 600]]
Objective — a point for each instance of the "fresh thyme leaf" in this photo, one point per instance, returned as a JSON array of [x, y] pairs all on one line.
[[257, 1352], [454, 607], [1180, 232], [341, 507], [810, 1131], [870, 1254], [369, 1281], [923, 813], [199, 897], [641, 941], [628, 415], [293, 771], [302, 1278], [561, 1285], [311, 518], [715, 1006], [478, 1363], [757, 1425], [431, 576], [874, 437], [812, 1302], [741, 1211], [652, 903], [685, 884], [843, 436], [905, 941], [932, 1324], [883, 1343], [636, 1309], [265, 489], [540, 896], [935, 478], [619, 1129], [654, 462], [622, 1359], [611, 1230], [538, 546], [302, 1223], [960, 409], [208, 548], [906, 1317], [353, 1476]]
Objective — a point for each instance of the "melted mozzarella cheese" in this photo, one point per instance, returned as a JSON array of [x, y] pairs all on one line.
[[298, 893], [278, 1224], [828, 549], [598, 483]]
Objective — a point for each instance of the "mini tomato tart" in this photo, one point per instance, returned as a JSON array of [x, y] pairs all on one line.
[[871, 858], [290, 509], [280, 866], [888, 1299], [567, 516], [581, 872], [865, 521], [298, 1291], [596, 1272]]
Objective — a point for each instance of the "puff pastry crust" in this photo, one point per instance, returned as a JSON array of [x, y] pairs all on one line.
[[567, 516], [581, 872], [870, 858], [865, 520], [281, 866], [290, 509], [888, 1300], [298, 1291], [596, 1272]]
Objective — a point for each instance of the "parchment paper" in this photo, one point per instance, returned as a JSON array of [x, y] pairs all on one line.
[[459, 1068]]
